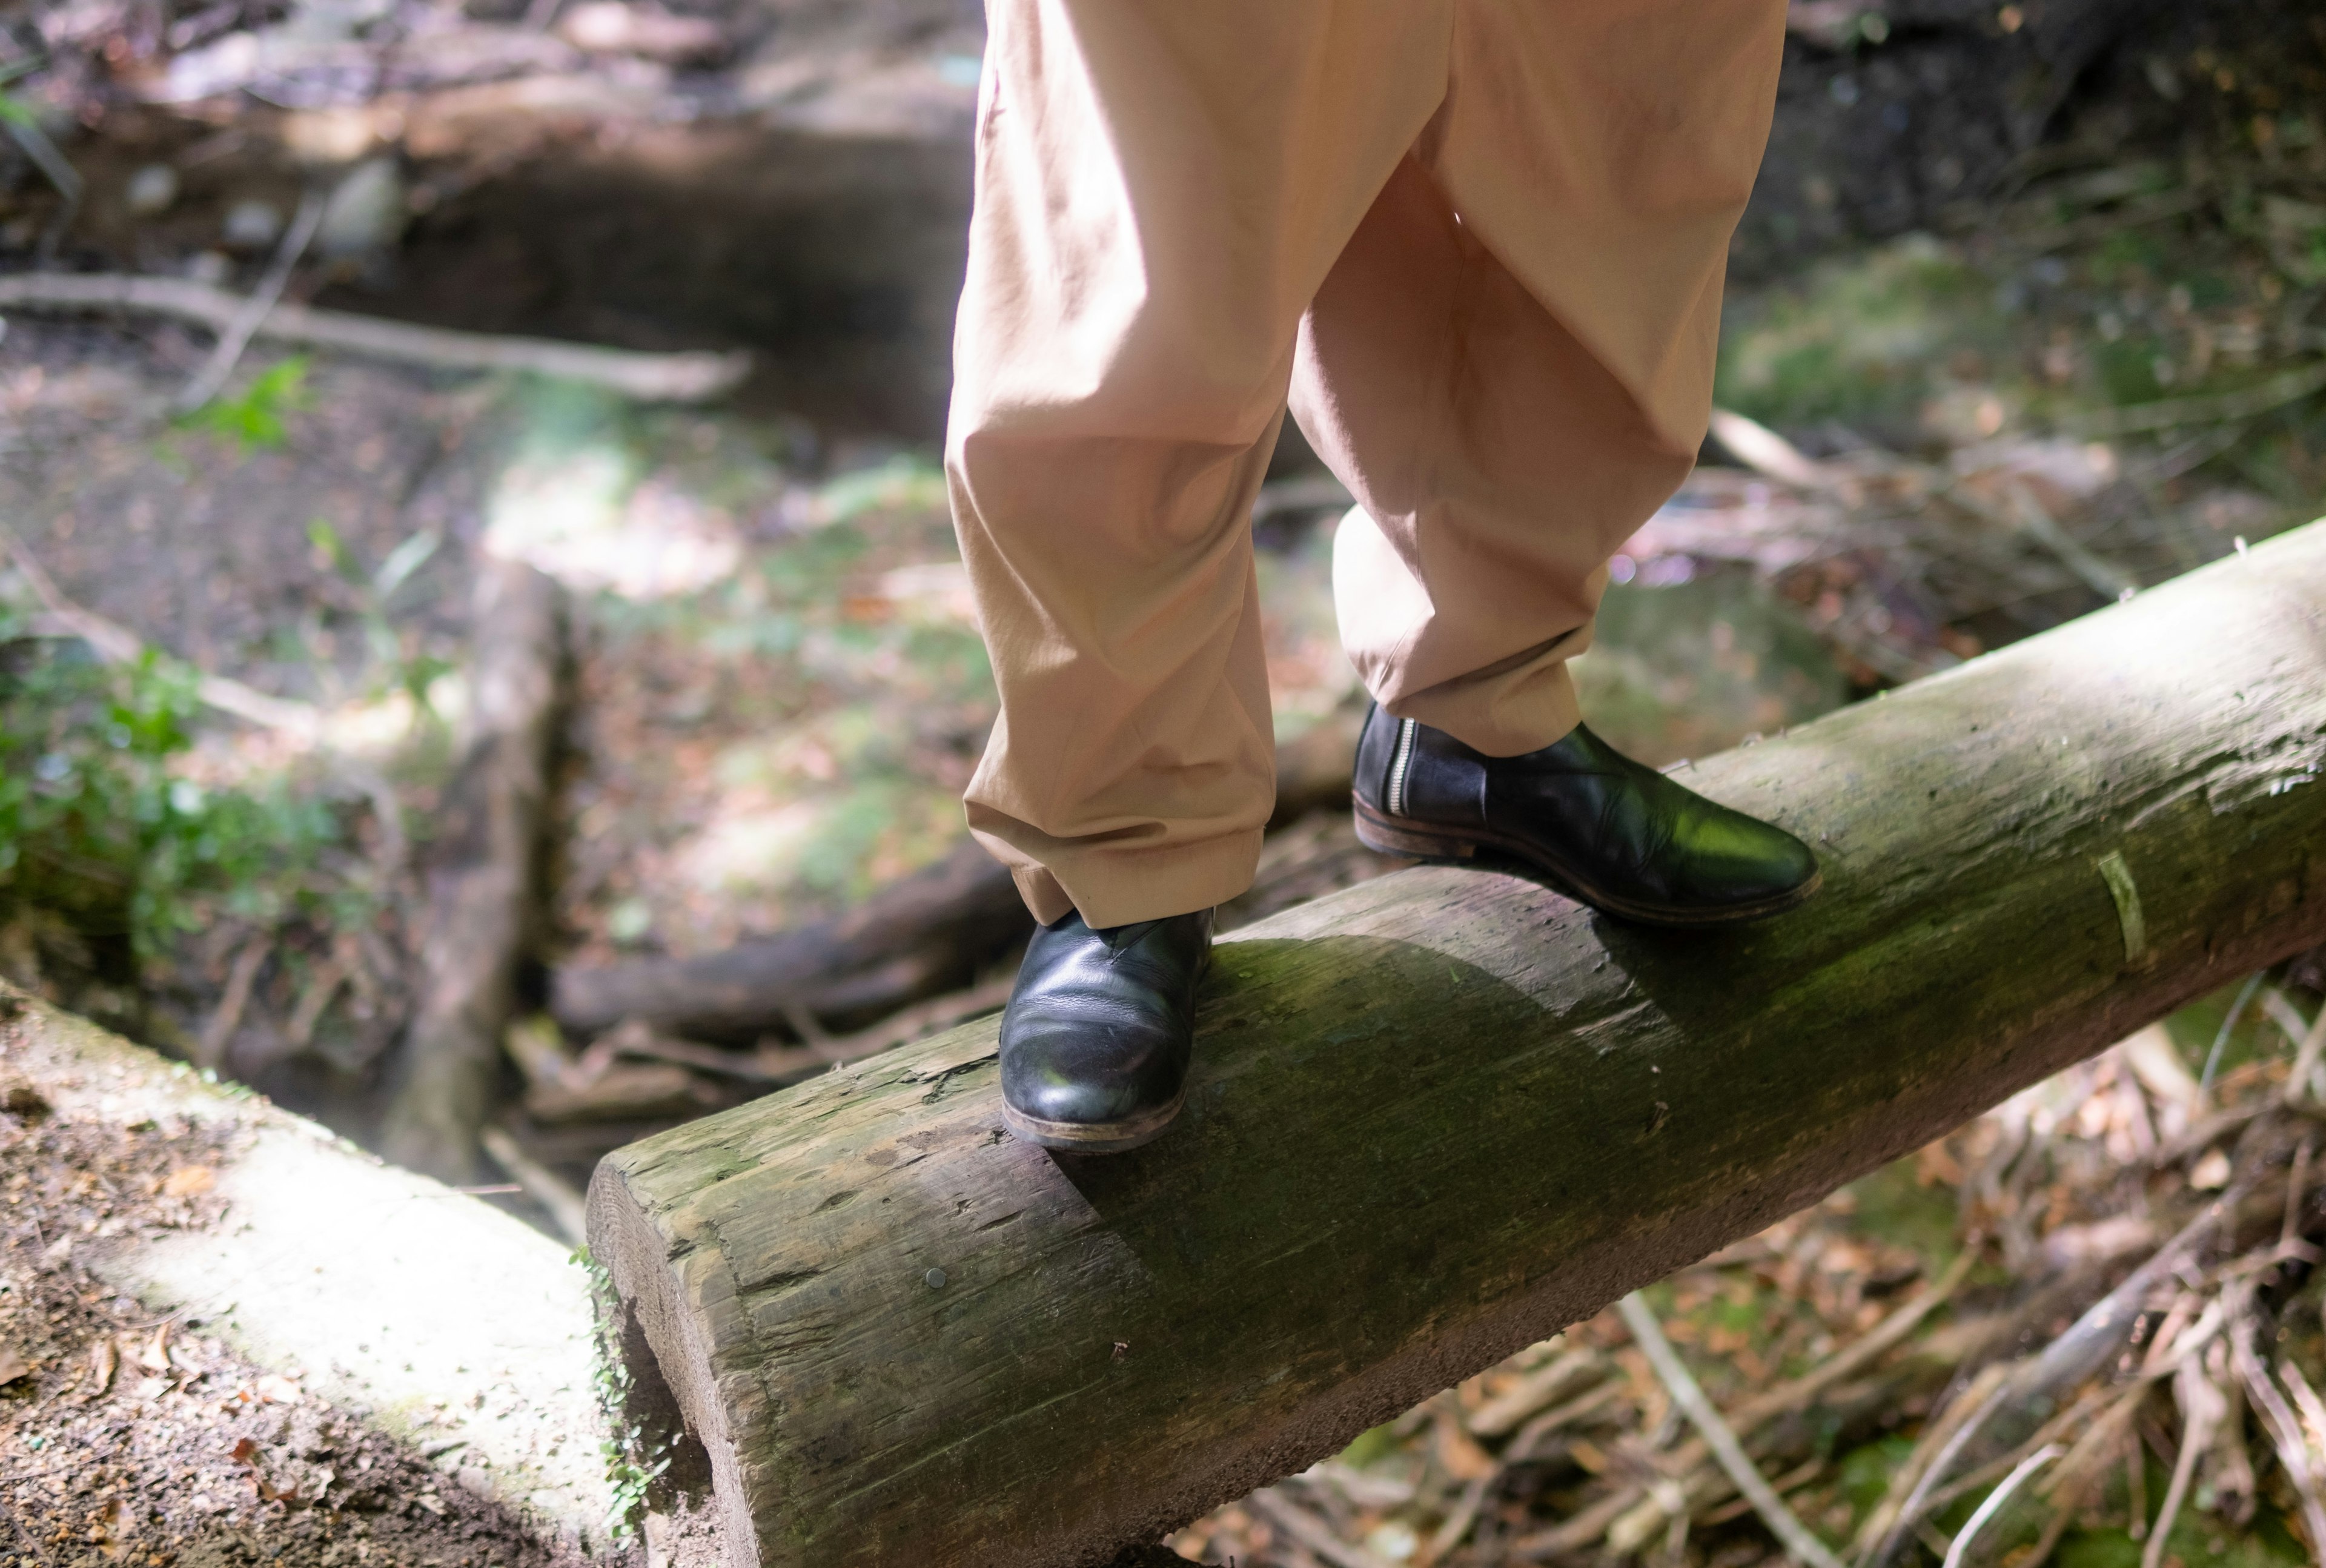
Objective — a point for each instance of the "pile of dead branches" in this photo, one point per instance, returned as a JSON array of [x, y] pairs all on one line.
[[2116, 1334]]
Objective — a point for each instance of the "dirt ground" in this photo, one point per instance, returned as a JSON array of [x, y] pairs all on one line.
[[134, 1440]]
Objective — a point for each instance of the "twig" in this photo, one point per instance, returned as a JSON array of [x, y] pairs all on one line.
[[1529, 1437], [1310, 1531], [1458, 1523], [1764, 451], [898, 1028], [1536, 1391], [2201, 1406], [118, 645], [218, 1033], [1943, 1441], [2287, 386], [26, 132], [2080, 1468], [1795, 1536], [545, 1187], [308, 1011], [2305, 1060], [2289, 1231], [227, 352], [2285, 1430], [2104, 578], [2221, 1038], [1885, 1335], [691, 377], [1573, 1534], [1995, 1501]]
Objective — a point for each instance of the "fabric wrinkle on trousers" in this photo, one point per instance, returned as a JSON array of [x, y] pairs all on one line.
[[1476, 247]]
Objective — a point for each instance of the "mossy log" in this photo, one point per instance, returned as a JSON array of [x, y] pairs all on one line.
[[1441, 1115]]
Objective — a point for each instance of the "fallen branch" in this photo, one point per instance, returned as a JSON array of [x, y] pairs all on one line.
[[541, 1184], [2169, 414], [117, 644], [227, 352], [925, 934], [1649, 1335], [690, 377], [484, 887]]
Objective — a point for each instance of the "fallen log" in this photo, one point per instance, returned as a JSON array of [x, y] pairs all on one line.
[[922, 934], [484, 887], [1437, 1116]]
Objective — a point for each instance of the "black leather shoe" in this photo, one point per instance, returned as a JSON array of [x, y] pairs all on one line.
[[1099, 1030], [1611, 833]]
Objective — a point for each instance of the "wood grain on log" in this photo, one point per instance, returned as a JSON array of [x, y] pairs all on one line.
[[484, 887], [1440, 1115]]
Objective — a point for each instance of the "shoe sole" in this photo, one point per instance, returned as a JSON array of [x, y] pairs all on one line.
[[1092, 1138], [1449, 847]]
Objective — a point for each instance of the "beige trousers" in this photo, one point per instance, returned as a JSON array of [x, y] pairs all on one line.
[[1478, 245]]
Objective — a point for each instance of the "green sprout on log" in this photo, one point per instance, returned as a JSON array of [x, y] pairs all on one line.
[[635, 1455]]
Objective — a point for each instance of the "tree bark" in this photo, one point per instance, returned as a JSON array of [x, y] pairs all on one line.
[[484, 888], [1441, 1115]]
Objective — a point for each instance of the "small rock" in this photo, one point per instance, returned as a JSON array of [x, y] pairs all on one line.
[[476, 1479], [366, 212], [152, 189], [251, 224]]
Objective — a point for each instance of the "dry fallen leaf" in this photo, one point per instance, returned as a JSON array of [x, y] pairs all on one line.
[[102, 1360], [190, 1181], [12, 1366], [277, 1390], [155, 1356], [151, 1389], [2211, 1173], [112, 1526]]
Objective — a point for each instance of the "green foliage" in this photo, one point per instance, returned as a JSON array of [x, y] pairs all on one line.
[[634, 1457], [1857, 339], [99, 824], [254, 420]]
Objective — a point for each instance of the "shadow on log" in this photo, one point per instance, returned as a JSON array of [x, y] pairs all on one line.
[[1438, 1117]]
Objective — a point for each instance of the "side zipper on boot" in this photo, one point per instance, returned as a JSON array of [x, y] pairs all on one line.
[[1400, 762]]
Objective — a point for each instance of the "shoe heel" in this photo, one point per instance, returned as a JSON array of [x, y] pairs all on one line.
[[1388, 836]]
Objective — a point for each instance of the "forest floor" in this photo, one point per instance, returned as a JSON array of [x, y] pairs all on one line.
[[134, 1438], [2101, 368]]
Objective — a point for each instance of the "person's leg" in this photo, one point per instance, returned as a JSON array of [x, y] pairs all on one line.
[[1160, 188], [1512, 367]]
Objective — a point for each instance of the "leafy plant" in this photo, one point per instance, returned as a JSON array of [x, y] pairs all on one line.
[[99, 824], [254, 420], [635, 1456]]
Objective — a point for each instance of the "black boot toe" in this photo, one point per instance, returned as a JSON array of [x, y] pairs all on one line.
[[1100, 1031], [1615, 833]]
